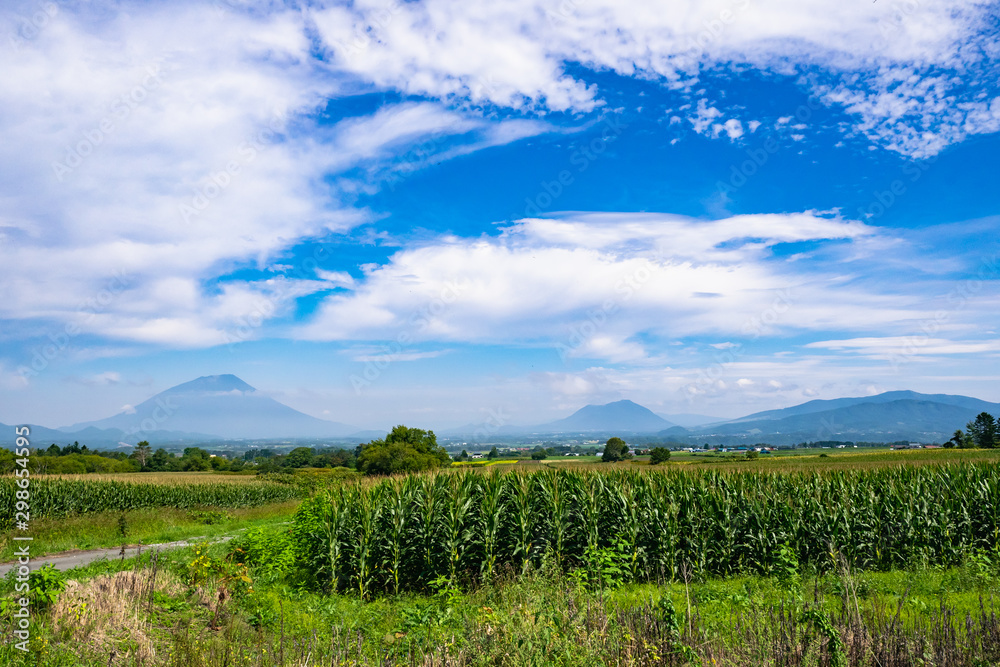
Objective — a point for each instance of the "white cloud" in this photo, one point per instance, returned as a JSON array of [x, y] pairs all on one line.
[[182, 146], [902, 347], [593, 285], [733, 129], [514, 54]]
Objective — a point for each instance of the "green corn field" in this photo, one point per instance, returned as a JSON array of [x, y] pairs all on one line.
[[62, 497], [403, 534]]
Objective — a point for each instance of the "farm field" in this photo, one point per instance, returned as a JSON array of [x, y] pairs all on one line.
[[783, 561], [93, 511], [172, 478], [148, 526], [830, 459], [169, 612]]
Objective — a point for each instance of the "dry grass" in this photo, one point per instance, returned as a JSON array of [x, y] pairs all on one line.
[[113, 610]]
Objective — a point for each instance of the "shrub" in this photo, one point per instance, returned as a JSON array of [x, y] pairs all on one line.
[[659, 455]]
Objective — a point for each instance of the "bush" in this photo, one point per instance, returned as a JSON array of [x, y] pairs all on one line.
[[403, 450], [615, 449], [659, 455], [267, 551]]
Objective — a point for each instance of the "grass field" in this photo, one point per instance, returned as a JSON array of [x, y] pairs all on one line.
[[148, 526], [189, 610], [786, 601], [148, 507]]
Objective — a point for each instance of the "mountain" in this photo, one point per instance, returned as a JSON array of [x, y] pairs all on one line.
[[216, 407], [887, 417], [689, 420], [96, 438], [624, 416], [812, 407]]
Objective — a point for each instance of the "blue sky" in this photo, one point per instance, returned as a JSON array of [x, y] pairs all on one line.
[[433, 212]]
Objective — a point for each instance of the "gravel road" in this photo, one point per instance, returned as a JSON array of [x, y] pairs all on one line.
[[77, 558]]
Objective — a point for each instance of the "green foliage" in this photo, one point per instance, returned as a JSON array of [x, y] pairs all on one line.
[[62, 497], [821, 624], [46, 583], [785, 567], [403, 450], [142, 453], [267, 551], [539, 455], [983, 431], [659, 455], [300, 457], [622, 525], [752, 455], [615, 449], [207, 517]]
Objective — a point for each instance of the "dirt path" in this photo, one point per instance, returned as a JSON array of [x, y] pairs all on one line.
[[66, 561]]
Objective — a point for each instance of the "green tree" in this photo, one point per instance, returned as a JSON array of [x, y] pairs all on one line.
[[195, 452], [300, 457], [160, 460], [464, 456], [402, 450], [494, 454], [196, 463], [539, 455], [659, 455], [961, 440], [983, 431], [956, 439], [615, 449], [142, 453]]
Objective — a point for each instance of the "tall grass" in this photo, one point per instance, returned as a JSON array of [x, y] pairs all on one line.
[[405, 534]]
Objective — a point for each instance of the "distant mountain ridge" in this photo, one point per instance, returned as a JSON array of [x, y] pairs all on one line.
[[224, 407], [885, 397], [886, 417], [625, 416], [221, 407]]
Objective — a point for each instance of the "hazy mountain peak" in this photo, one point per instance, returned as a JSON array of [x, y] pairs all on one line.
[[223, 406], [623, 415], [212, 383]]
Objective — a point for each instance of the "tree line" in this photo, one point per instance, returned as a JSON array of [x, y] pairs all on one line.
[[983, 432]]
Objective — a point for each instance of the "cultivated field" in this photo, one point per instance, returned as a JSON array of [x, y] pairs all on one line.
[[404, 534], [854, 558]]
